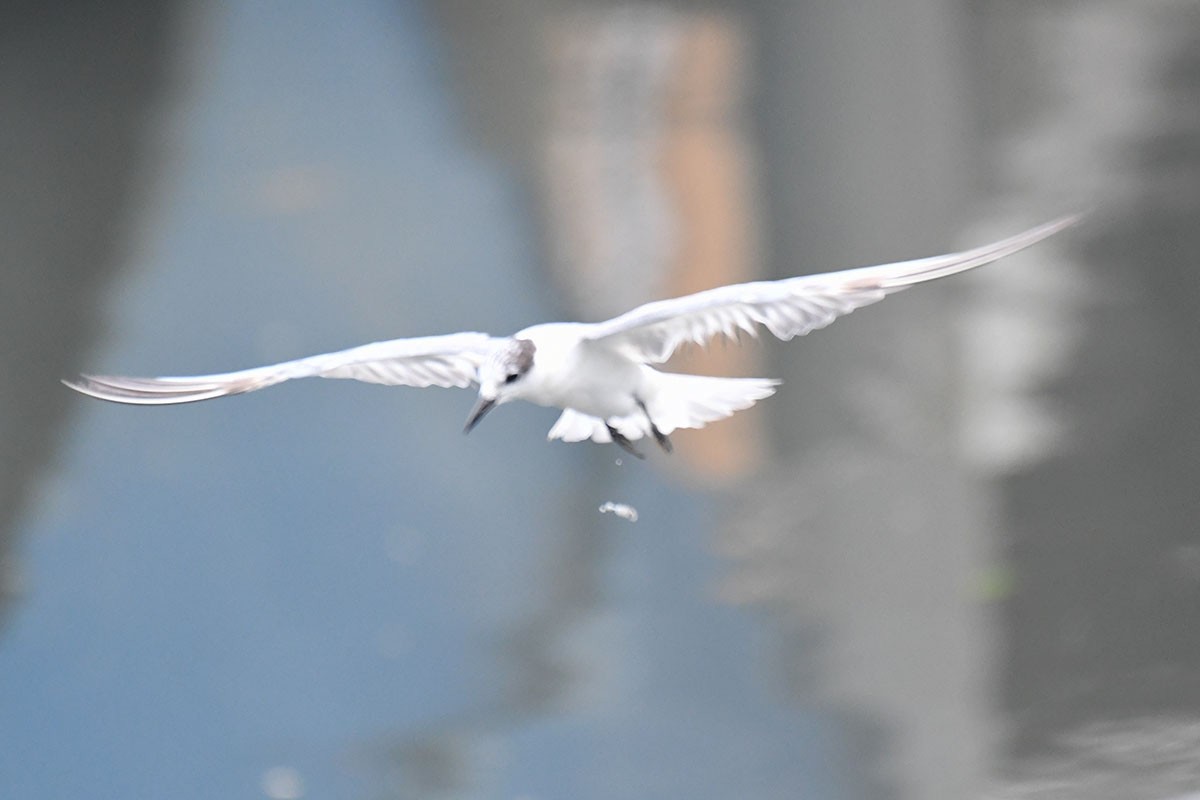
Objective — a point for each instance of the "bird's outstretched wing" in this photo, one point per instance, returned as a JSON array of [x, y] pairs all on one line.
[[450, 360], [790, 307]]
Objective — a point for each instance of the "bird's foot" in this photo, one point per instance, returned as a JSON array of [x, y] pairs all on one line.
[[659, 436], [625, 444]]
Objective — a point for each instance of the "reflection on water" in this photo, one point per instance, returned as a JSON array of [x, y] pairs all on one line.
[[324, 590], [69, 150], [1138, 756]]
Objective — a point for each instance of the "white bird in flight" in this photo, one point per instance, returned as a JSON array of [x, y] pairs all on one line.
[[600, 374]]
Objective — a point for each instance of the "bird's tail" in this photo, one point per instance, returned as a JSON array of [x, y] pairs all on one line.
[[674, 401]]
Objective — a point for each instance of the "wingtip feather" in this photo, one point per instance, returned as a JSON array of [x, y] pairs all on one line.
[[146, 391]]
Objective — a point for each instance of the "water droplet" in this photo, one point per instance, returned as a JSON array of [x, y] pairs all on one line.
[[621, 510]]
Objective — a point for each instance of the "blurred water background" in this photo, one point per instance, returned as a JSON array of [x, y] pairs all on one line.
[[956, 556]]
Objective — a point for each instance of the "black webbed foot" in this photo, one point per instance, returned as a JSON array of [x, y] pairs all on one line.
[[659, 436], [625, 444]]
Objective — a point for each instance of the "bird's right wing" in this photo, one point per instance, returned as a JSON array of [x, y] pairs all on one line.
[[450, 360], [790, 307]]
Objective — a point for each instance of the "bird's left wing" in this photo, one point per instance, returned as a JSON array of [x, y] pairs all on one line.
[[450, 360], [790, 307]]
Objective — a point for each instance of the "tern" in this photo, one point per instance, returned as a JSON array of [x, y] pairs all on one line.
[[602, 374]]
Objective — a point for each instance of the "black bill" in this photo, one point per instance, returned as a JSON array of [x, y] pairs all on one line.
[[481, 408]]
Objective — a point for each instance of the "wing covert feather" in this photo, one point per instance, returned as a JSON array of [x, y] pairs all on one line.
[[790, 307]]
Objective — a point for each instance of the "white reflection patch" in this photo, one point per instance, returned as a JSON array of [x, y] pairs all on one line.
[[282, 783]]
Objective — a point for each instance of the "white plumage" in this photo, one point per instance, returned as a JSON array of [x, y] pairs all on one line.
[[600, 374], [448, 361]]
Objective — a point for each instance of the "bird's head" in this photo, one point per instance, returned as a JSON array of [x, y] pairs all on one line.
[[500, 377]]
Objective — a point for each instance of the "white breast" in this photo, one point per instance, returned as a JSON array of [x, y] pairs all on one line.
[[568, 373]]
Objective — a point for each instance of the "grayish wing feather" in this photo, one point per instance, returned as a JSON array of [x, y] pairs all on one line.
[[790, 307], [449, 361]]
